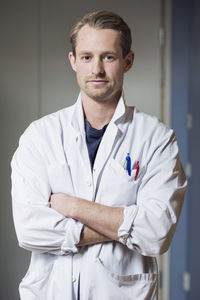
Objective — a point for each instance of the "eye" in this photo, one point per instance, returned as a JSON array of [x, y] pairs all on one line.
[[109, 57], [86, 58]]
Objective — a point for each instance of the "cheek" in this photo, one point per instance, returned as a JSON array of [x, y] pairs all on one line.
[[117, 75], [81, 73], [115, 71]]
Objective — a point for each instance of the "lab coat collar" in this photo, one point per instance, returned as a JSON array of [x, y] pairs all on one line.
[[78, 115], [119, 111]]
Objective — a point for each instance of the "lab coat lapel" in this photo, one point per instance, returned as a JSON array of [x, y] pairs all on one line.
[[105, 147], [79, 136], [76, 151], [110, 138]]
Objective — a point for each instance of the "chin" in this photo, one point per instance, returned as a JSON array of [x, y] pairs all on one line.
[[100, 97]]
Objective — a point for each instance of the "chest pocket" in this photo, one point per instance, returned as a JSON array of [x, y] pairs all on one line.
[[117, 187]]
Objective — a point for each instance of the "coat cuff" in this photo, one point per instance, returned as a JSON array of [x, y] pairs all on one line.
[[125, 229], [73, 233]]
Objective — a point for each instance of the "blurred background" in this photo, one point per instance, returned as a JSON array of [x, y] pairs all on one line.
[[36, 79]]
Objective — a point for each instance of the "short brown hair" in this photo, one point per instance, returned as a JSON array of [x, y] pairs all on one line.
[[103, 20]]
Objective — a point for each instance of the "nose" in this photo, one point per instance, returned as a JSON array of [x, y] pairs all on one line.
[[98, 67]]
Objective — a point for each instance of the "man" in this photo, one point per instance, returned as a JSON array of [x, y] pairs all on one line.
[[97, 187]]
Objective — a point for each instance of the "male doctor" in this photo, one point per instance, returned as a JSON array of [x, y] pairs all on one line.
[[97, 187]]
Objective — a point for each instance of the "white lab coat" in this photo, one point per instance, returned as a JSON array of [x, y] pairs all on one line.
[[52, 157]]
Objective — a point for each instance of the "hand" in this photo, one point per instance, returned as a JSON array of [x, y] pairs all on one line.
[[62, 203]]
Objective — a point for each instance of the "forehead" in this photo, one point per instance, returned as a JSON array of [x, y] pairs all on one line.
[[92, 39]]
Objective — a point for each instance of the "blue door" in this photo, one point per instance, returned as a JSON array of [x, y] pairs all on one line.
[[185, 250]]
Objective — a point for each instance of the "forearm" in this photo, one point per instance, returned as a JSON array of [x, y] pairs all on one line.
[[90, 237], [105, 220]]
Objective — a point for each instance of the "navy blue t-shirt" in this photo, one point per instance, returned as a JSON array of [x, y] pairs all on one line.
[[93, 139]]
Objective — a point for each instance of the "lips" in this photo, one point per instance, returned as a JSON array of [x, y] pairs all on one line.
[[98, 81]]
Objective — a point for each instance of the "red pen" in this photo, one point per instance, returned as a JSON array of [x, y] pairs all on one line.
[[137, 170]]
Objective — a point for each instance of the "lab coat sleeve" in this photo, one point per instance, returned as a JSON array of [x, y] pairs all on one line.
[[149, 225], [38, 227]]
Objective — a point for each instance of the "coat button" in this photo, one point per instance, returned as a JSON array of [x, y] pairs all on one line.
[[89, 183], [73, 279]]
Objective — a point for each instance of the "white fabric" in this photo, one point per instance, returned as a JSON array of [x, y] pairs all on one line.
[[52, 157]]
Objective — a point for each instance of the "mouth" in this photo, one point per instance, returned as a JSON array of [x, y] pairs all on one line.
[[97, 82]]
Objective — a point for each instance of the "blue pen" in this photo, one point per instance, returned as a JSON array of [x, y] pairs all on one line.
[[128, 164]]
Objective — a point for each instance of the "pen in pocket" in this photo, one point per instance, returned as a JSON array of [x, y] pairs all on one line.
[[137, 167]]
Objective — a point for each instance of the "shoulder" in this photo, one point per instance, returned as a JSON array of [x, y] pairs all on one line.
[[150, 125], [159, 140], [150, 134], [54, 120], [49, 125], [43, 138]]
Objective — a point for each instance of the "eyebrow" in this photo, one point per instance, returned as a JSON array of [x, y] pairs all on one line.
[[103, 53], [84, 53]]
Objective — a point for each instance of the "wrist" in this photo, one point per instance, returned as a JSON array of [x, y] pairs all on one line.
[[73, 208]]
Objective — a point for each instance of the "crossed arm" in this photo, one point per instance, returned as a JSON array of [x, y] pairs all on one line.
[[101, 222]]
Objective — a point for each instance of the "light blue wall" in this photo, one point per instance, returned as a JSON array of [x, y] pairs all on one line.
[[180, 99], [185, 99], [194, 153]]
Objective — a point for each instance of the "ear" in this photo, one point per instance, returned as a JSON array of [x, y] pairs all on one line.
[[128, 61], [72, 60]]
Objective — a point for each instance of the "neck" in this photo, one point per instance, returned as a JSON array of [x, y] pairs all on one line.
[[98, 113]]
